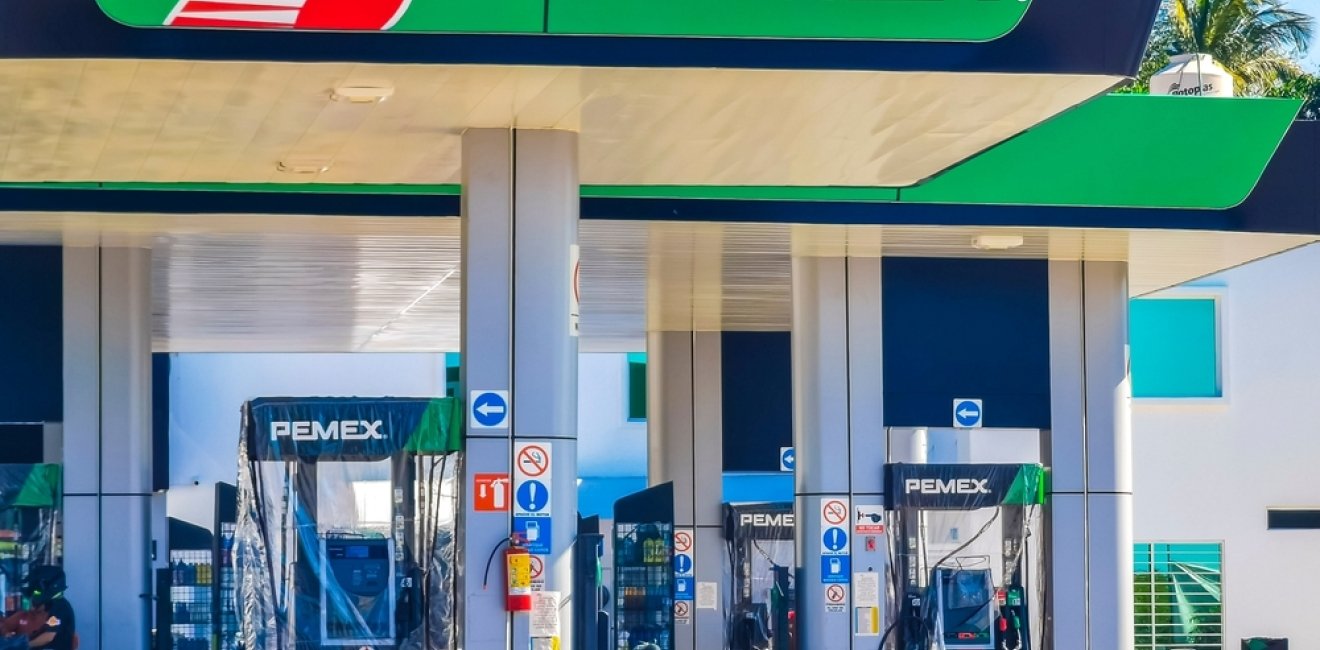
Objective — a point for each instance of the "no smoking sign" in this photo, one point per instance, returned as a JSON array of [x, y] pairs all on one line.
[[533, 461], [682, 541], [834, 512]]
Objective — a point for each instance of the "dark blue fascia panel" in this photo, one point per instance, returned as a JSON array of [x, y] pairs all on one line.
[[160, 421], [880, 213], [31, 334], [1287, 197], [207, 202], [22, 444], [966, 328], [757, 382], [1055, 37]]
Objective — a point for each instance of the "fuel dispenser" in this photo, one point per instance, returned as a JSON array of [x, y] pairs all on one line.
[[760, 544], [30, 502], [346, 516], [966, 556]]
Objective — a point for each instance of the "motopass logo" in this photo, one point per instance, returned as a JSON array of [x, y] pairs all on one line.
[[951, 486], [311, 431]]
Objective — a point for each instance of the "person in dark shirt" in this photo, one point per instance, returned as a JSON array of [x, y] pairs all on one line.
[[44, 589]]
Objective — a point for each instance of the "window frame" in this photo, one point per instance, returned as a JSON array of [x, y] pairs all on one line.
[[1223, 582], [1272, 525], [1219, 296]]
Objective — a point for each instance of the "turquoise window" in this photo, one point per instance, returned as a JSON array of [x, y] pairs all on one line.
[[1175, 348], [451, 374], [636, 386]]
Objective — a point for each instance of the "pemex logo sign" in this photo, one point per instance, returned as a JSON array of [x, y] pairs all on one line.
[[348, 15], [292, 14]]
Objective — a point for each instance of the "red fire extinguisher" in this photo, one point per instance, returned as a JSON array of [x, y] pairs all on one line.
[[518, 571]]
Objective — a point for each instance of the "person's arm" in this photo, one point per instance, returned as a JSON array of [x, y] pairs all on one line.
[[47, 634], [42, 640]]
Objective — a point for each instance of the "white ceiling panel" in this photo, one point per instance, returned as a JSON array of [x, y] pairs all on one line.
[[339, 284], [217, 121]]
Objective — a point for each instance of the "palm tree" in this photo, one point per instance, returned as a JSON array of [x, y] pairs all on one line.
[[1257, 41]]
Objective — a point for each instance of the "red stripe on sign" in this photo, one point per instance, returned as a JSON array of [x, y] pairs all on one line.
[[218, 5], [184, 21], [347, 14]]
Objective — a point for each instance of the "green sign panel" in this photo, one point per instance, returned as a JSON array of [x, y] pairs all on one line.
[[935, 20], [897, 20]]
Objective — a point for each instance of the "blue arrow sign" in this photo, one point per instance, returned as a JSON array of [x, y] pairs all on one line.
[[532, 496], [682, 564], [967, 413], [835, 539], [490, 409], [787, 459]]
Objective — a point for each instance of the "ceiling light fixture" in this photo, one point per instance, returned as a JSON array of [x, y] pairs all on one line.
[[362, 93], [996, 242]]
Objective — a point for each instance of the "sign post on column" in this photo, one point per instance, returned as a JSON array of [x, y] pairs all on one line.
[[684, 576], [835, 558], [532, 516]]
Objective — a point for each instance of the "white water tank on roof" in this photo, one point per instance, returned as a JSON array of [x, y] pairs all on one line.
[[1192, 74]]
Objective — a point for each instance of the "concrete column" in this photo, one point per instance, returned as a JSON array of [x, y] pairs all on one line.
[[520, 213], [107, 443], [1090, 453], [838, 423], [685, 430]]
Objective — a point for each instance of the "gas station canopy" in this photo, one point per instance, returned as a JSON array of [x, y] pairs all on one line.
[[711, 152]]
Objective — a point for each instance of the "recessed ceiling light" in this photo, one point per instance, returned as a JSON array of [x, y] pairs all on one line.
[[362, 93], [996, 242], [304, 166]]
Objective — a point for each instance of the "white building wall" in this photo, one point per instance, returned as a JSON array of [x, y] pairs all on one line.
[[1208, 472], [608, 444]]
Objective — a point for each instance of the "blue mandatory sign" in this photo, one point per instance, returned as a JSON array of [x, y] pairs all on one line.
[[967, 413], [835, 569], [532, 496], [835, 539], [787, 459], [685, 589], [490, 409], [535, 533], [682, 564]]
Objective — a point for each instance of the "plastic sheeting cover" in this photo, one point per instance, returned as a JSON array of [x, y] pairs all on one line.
[[1002, 544], [346, 544], [759, 539]]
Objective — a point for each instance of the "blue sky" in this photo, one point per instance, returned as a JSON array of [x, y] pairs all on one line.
[[1312, 7]]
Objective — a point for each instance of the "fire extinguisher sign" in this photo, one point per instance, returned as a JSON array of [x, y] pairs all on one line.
[[490, 492]]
